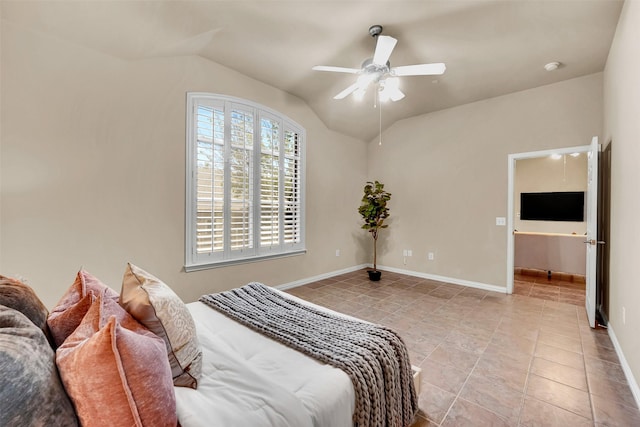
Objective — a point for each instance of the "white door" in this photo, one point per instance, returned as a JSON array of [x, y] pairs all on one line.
[[592, 230]]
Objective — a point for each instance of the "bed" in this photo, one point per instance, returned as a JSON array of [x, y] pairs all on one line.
[[162, 362], [249, 379]]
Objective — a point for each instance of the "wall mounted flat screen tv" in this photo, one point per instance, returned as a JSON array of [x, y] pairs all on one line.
[[555, 206]]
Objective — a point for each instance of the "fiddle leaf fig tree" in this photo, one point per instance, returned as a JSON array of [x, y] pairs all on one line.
[[374, 211]]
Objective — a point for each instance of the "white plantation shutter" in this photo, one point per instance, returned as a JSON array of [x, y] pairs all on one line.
[[209, 178], [270, 208], [241, 180], [291, 187], [245, 167]]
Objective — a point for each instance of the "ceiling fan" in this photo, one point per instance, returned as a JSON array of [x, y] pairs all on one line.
[[378, 70]]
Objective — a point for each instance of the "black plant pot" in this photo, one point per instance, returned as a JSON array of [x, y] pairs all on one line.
[[374, 275]]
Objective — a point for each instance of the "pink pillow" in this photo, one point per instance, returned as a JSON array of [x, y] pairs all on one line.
[[116, 371], [68, 313]]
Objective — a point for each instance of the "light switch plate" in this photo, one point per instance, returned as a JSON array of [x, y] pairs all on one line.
[[500, 220]]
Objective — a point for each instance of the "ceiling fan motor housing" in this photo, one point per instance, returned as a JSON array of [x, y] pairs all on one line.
[[369, 67], [375, 71]]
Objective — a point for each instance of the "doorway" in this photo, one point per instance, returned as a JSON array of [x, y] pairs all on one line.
[[549, 227], [591, 217]]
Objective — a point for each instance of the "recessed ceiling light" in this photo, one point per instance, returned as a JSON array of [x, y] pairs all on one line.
[[552, 66], [574, 154]]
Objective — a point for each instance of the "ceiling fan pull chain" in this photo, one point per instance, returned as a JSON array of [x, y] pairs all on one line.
[[380, 113], [376, 99]]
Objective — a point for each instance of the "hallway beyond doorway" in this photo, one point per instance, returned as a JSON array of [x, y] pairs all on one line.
[[560, 287]]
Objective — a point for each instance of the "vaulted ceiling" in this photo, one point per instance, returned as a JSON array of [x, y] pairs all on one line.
[[491, 48]]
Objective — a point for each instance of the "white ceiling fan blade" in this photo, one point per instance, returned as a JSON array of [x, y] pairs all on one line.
[[419, 69], [347, 91], [336, 69], [384, 47]]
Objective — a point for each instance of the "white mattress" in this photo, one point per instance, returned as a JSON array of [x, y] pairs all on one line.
[[251, 380]]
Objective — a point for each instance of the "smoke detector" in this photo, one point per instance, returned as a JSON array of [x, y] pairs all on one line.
[[552, 66]]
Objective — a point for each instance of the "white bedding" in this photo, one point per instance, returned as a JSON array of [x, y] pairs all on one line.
[[251, 380]]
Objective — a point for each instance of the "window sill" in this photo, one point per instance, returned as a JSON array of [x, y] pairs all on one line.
[[226, 263]]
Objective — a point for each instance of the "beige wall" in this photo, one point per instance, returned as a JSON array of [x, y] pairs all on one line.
[[545, 174], [93, 170], [622, 129], [447, 172]]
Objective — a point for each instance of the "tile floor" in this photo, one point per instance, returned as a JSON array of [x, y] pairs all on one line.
[[491, 359], [554, 289]]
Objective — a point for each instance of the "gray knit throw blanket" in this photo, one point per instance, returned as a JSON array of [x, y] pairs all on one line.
[[373, 356]]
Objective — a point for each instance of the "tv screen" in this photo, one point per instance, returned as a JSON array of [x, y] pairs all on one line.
[[555, 206]]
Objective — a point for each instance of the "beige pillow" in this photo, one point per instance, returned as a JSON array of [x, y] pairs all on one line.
[[156, 306], [116, 371]]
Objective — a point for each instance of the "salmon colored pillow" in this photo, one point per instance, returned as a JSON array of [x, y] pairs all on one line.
[[68, 313], [155, 305], [116, 371]]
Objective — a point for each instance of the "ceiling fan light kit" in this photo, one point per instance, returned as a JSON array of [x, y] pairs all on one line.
[[378, 71]]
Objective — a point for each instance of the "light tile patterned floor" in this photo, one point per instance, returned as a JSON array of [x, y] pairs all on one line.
[[550, 289], [491, 359]]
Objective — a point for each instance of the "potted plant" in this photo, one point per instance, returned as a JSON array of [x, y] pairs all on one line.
[[374, 211]]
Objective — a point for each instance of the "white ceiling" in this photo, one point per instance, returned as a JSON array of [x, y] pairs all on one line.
[[490, 48]]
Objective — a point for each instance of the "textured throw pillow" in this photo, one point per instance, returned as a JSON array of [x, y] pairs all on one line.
[[17, 295], [157, 307], [116, 371], [68, 313], [31, 393]]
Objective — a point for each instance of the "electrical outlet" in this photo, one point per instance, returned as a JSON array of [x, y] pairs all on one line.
[[500, 220], [404, 252], [431, 256], [409, 252], [337, 252]]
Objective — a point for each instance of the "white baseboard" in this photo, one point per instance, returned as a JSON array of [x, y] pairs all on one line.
[[453, 280], [307, 280], [633, 384]]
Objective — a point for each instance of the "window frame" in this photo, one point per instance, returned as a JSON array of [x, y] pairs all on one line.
[[199, 261]]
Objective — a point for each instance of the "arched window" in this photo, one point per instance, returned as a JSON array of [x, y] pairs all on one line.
[[245, 182]]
